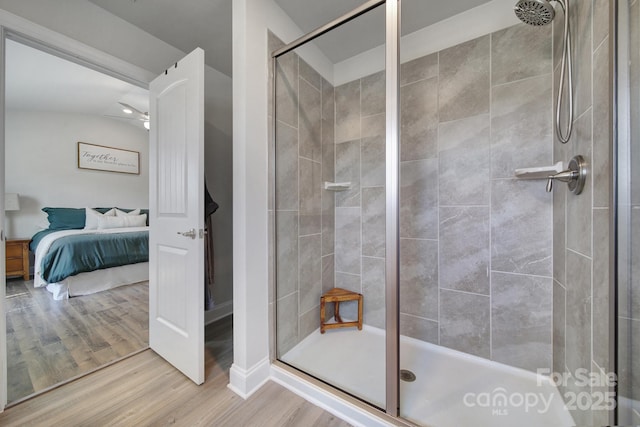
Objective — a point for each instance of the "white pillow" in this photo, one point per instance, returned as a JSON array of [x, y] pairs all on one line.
[[123, 213], [91, 222], [122, 221]]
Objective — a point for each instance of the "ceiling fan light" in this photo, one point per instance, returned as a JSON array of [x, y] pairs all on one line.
[[146, 124], [127, 111]]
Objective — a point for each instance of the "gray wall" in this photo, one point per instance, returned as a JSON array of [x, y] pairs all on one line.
[[581, 223], [304, 211], [476, 243]]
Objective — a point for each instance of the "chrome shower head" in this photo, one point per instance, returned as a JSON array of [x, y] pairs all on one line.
[[534, 12]]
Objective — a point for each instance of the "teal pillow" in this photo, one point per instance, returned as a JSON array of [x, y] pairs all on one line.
[[65, 218]]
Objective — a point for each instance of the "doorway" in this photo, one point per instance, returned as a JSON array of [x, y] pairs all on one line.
[[51, 105]]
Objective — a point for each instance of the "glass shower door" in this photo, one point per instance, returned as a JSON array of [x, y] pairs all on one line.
[[329, 210]]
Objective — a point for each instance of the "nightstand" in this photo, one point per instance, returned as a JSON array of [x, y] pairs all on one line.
[[17, 257]]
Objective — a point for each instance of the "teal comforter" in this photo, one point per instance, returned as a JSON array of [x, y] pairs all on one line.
[[71, 255]]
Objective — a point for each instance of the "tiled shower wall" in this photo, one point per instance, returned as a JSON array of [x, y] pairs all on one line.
[[476, 244], [581, 222], [304, 212]]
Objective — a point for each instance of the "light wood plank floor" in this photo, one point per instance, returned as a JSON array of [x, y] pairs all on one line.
[[144, 390], [52, 341]]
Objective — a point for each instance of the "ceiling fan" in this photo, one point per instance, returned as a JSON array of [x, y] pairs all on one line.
[[133, 113]]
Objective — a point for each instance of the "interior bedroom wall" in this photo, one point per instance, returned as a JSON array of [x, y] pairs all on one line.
[[95, 27], [42, 166]]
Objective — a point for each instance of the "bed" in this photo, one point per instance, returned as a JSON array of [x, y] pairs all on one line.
[[102, 255]]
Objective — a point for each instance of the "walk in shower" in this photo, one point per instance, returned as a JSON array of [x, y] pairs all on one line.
[[411, 167]]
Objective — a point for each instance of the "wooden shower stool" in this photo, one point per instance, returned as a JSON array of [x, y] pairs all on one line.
[[336, 296]]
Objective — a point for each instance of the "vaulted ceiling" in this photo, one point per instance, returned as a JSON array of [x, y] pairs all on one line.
[[209, 23]]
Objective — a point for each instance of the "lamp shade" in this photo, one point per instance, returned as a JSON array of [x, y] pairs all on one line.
[[11, 202]]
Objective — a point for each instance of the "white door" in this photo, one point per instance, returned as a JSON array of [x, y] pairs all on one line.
[[176, 206]]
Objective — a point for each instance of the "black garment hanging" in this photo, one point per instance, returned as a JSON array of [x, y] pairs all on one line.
[[210, 206]]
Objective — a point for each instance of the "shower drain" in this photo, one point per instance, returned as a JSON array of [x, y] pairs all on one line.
[[407, 375]]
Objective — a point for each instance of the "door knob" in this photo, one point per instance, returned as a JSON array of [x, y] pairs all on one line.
[[191, 233]]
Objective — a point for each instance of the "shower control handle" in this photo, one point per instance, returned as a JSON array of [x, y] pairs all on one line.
[[575, 176]]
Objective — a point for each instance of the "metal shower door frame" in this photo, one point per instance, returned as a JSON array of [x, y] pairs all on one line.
[[392, 189]]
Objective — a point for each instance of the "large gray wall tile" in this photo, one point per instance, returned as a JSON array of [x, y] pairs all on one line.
[[521, 316], [373, 222], [464, 154], [421, 68], [419, 278], [419, 328], [601, 157], [578, 332], [559, 232], [287, 323], [600, 22], [348, 170], [287, 89], [350, 282], [310, 280], [464, 322], [601, 288], [579, 222], [287, 265], [348, 240], [464, 249], [328, 222], [519, 52], [310, 121], [309, 74], [328, 273], [373, 94], [347, 110], [310, 197], [373, 291], [521, 220], [559, 316], [418, 199], [464, 79], [583, 52], [328, 101], [286, 167], [373, 161], [521, 125], [372, 151], [419, 120], [308, 322]]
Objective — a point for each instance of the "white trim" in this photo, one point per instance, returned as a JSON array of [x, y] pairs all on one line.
[[43, 38], [325, 400], [218, 312], [246, 382]]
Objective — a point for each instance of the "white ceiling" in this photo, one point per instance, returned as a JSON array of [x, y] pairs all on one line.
[[182, 24], [38, 81], [209, 23], [367, 31]]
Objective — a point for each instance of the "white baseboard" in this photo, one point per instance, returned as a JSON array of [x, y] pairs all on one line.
[[219, 311], [245, 382], [326, 400]]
